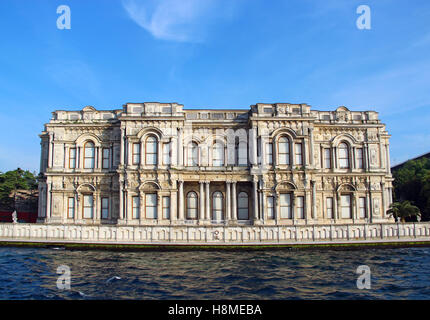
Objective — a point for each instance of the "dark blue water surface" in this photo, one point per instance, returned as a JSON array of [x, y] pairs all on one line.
[[31, 273]]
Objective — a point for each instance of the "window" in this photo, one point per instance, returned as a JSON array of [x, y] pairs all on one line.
[[300, 207], [88, 206], [329, 204], [298, 153], [270, 207], [72, 158], [346, 206], [71, 208], [360, 160], [135, 207], [105, 158], [151, 205], [362, 207], [166, 153], [192, 205], [89, 155], [218, 154], [343, 156], [136, 153], [327, 158], [284, 150], [269, 153], [193, 154], [242, 154], [105, 208], [242, 206], [166, 207], [151, 150], [285, 205], [217, 206]]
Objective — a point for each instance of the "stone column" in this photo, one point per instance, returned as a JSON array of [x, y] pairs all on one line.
[[173, 206], [51, 149], [277, 207], [253, 149], [180, 149], [314, 199], [202, 201], [181, 200], [255, 200], [141, 203], [48, 200], [122, 147], [228, 201], [159, 207], [234, 201], [311, 147], [207, 196]]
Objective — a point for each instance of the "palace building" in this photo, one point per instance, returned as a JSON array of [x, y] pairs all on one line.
[[160, 164]]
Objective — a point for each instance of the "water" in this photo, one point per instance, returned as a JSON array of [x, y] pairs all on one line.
[[30, 273]]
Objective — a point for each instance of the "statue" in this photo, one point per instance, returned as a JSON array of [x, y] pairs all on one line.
[[14, 217]]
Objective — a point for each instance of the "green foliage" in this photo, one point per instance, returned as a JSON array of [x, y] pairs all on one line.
[[412, 182], [403, 210], [15, 180]]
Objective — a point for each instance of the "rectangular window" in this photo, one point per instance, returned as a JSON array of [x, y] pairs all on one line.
[[362, 207], [166, 207], [136, 153], [72, 158], [105, 158], [270, 207], [151, 206], [136, 207], [360, 160], [329, 204], [269, 153], [88, 206], [285, 205], [166, 153], [327, 158], [300, 207], [105, 208], [299, 154], [71, 208], [346, 206]]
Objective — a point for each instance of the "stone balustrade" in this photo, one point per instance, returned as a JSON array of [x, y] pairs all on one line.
[[201, 235]]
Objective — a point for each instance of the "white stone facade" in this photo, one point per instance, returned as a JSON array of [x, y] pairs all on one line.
[[156, 164]]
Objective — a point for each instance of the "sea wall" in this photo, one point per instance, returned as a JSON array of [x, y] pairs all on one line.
[[200, 235]]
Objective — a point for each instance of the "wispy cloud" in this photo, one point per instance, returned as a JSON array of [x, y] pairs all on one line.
[[175, 20]]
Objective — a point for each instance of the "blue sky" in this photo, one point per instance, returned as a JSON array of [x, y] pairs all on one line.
[[213, 53]]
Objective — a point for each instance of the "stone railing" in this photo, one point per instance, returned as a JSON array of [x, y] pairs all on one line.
[[215, 234]]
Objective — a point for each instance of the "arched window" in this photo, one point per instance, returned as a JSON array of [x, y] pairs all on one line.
[[242, 153], [217, 206], [343, 156], [218, 154], [284, 150], [193, 154], [89, 155], [151, 150], [192, 205], [242, 206]]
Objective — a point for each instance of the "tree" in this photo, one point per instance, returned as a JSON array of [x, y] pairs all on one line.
[[11, 181], [412, 182], [403, 210]]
